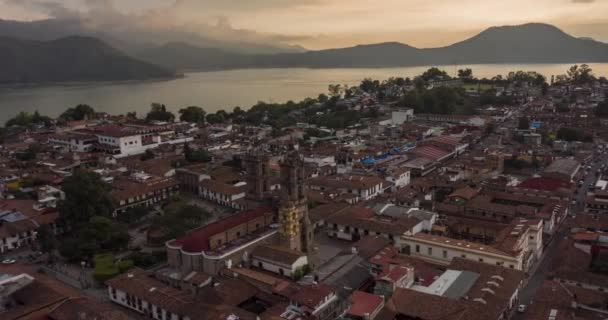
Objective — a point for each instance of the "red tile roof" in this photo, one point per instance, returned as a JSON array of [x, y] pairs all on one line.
[[548, 184], [363, 303], [198, 240], [430, 152]]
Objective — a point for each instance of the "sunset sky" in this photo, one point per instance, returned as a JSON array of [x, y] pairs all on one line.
[[317, 24]]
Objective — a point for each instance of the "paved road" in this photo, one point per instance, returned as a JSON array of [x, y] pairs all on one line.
[[589, 177], [542, 271]]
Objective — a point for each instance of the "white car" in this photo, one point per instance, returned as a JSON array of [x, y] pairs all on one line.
[[521, 308], [8, 261]]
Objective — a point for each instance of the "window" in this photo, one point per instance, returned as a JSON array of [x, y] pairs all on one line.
[[429, 251], [531, 237], [511, 266], [445, 254], [417, 249], [464, 256], [238, 233], [480, 259]]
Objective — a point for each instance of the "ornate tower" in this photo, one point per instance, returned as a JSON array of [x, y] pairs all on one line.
[[296, 230], [256, 166]]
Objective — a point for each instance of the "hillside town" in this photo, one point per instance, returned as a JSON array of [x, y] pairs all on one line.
[[430, 198]]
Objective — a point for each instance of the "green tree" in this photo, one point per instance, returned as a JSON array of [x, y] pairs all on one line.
[[80, 112], [158, 112], [46, 239], [30, 154], [465, 74], [216, 118], [335, 90], [179, 217], [192, 114], [435, 74], [580, 75], [148, 155], [196, 156], [86, 196], [602, 110], [26, 119]]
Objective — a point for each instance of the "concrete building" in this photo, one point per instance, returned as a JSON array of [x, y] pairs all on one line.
[[518, 247], [223, 243], [278, 260]]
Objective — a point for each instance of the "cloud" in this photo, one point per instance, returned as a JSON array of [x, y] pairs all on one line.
[[162, 23]]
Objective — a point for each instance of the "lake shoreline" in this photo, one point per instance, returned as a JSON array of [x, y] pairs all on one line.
[[219, 90], [35, 85]]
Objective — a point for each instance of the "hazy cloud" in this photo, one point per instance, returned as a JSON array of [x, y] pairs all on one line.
[[318, 23], [161, 23]]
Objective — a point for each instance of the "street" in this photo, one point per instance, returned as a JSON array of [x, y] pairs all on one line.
[[541, 273]]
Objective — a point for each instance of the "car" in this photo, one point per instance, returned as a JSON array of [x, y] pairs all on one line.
[[8, 261], [521, 308]]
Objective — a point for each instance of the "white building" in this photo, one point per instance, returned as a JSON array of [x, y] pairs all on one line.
[[364, 187], [221, 193], [518, 249], [402, 116], [278, 260], [400, 177]]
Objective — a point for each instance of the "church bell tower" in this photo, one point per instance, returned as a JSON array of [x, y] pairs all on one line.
[[295, 231]]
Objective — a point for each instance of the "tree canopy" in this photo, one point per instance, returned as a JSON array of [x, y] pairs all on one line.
[[196, 156], [26, 119], [80, 112], [178, 217], [158, 112], [86, 196], [192, 114]]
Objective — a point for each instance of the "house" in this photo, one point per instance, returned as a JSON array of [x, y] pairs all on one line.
[[364, 187], [399, 177], [517, 247], [358, 221], [141, 190], [564, 169], [364, 306], [223, 194], [466, 290], [319, 301], [16, 230], [279, 260]]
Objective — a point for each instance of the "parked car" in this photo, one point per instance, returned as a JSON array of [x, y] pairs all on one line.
[[8, 261], [521, 308]]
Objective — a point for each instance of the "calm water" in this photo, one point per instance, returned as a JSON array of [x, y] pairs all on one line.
[[224, 89]]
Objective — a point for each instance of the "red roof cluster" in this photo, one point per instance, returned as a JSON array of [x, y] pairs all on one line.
[[430, 152], [547, 184], [363, 303], [198, 240]]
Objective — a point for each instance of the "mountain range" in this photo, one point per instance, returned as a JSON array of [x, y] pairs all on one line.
[[78, 58], [70, 59], [529, 43]]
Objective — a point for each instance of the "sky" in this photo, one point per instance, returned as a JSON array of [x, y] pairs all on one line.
[[319, 24]]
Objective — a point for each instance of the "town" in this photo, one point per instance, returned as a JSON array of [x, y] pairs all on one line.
[[437, 197]]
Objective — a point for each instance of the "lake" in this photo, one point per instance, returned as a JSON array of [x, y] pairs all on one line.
[[225, 89]]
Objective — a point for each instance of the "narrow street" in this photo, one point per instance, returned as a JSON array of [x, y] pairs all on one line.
[[542, 270]]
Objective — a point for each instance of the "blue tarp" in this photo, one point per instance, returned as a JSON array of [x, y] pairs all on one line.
[[368, 160]]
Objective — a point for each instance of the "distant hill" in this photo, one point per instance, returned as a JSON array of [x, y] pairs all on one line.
[[132, 41], [184, 56], [529, 43], [70, 59]]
